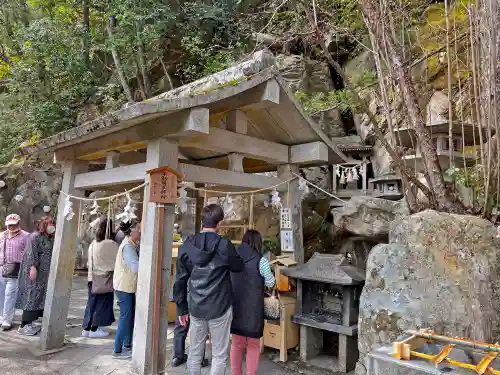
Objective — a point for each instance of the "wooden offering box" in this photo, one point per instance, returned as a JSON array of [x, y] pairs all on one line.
[[282, 334]]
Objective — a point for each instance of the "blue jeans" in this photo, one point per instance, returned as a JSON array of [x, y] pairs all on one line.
[[126, 303]]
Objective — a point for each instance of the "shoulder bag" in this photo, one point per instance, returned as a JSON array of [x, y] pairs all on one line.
[[272, 306], [9, 270], [102, 282]]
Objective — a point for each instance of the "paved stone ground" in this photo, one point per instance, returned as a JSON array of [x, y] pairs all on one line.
[[20, 354]]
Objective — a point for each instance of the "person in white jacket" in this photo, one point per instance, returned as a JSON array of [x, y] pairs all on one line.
[[101, 258]]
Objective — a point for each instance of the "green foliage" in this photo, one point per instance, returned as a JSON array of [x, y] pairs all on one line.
[[272, 245], [340, 99], [52, 66]]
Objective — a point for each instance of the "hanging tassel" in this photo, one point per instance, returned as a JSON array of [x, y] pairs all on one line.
[[183, 206], [275, 199], [68, 209], [342, 177], [108, 219], [80, 217], [349, 176], [228, 206], [95, 209], [250, 225], [337, 170], [355, 173]]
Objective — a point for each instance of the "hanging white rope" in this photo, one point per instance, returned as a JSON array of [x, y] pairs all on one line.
[[246, 192], [320, 189], [106, 198]]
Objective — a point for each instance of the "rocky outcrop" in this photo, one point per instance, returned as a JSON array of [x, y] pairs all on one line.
[[439, 271], [31, 190], [369, 217], [311, 77]]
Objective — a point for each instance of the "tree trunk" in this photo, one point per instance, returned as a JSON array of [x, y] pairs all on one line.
[[139, 81], [118, 66], [372, 16], [142, 63], [86, 37], [398, 163]]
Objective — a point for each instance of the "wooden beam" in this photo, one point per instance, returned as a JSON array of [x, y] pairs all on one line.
[[309, 153], [112, 159], [108, 177], [226, 142], [269, 96], [237, 121], [235, 162], [136, 173], [175, 125]]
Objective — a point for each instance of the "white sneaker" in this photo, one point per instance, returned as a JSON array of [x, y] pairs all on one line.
[[29, 330], [99, 333], [85, 333]]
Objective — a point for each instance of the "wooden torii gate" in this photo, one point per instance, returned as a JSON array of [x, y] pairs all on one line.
[[219, 136]]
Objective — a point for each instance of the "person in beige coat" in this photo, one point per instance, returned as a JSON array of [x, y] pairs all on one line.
[[101, 258], [125, 284]]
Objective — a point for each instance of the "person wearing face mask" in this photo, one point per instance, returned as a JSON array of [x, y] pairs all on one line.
[[13, 241], [34, 275]]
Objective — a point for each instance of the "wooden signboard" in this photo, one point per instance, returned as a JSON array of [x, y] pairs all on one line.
[[163, 185]]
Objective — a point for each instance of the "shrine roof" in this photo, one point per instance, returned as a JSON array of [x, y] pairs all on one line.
[[254, 87]]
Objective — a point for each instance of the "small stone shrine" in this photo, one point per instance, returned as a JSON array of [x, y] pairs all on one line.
[[328, 291]]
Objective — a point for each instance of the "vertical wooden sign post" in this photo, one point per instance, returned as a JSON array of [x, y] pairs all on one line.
[[162, 190]]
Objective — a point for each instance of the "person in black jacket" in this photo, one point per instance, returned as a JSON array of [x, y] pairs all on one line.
[[204, 267]]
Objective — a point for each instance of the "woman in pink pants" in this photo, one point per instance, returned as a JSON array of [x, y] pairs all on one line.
[[248, 304]]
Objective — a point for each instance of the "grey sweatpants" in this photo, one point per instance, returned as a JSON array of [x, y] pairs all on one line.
[[219, 329]]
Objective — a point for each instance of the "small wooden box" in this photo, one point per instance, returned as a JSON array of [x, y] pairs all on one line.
[[282, 334], [282, 281]]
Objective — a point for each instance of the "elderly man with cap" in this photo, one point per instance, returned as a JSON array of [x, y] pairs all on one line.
[[13, 241]]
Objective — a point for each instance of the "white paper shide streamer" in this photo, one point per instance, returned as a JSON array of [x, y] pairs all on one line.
[[128, 211], [68, 209], [275, 199], [2, 183], [348, 174], [183, 206], [228, 206], [95, 209]]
